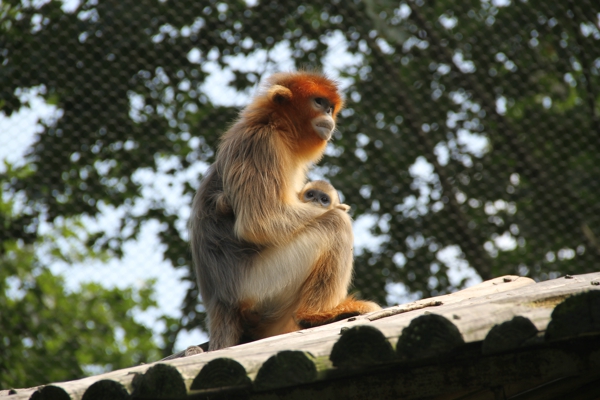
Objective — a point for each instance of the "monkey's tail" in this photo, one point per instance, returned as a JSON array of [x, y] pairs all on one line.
[[349, 307]]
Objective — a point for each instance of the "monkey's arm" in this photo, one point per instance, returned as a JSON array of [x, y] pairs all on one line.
[[276, 224], [266, 206]]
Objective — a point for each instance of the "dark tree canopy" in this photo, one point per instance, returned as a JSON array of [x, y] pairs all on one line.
[[471, 126]]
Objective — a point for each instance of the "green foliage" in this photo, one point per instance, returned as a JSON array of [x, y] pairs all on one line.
[[50, 334]]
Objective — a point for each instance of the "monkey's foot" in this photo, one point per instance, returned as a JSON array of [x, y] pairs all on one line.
[[193, 350]]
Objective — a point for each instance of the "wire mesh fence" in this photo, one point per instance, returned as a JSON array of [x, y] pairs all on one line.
[[468, 149]]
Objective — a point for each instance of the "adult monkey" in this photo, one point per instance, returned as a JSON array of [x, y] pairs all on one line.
[[273, 264]]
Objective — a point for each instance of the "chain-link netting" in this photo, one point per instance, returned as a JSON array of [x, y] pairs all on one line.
[[468, 149]]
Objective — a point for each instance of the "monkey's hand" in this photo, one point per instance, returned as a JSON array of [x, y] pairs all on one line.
[[343, 207]]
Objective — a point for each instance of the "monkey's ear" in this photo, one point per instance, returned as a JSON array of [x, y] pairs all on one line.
[[279, 94]]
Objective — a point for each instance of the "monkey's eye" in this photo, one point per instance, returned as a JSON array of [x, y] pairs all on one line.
[[325, 200], [324, 104], [309, 195]]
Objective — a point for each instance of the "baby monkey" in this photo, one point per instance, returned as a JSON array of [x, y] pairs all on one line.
[[322, 194], [319, 193]]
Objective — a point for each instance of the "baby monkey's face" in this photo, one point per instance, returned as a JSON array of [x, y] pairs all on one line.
[[322, 194], [318, 197]]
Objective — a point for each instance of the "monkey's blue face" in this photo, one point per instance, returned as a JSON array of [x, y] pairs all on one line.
[[317, 196]]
